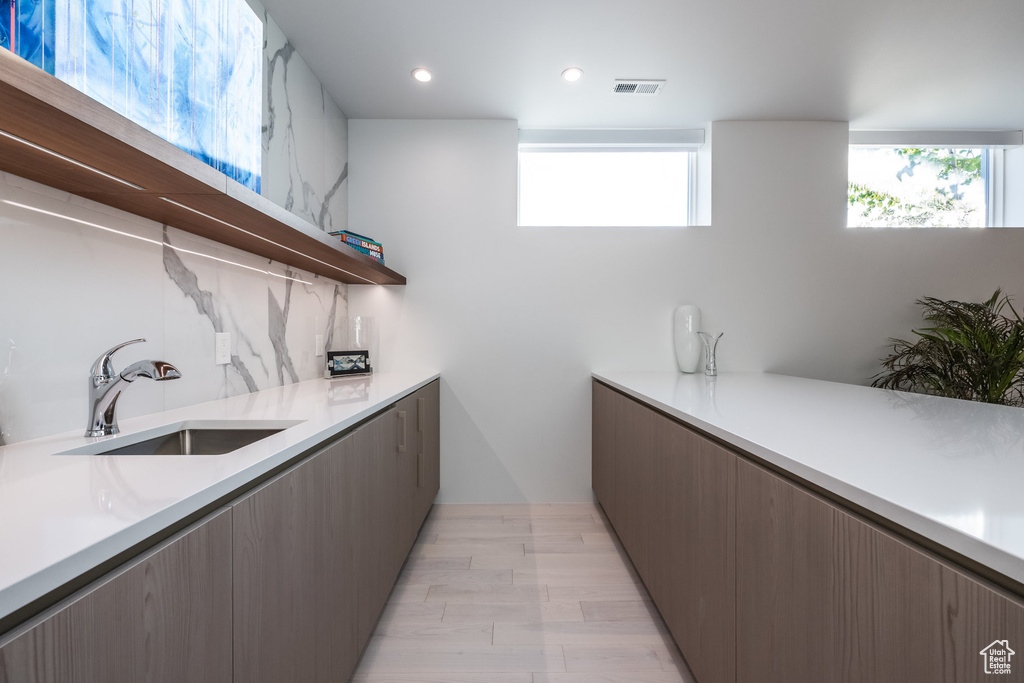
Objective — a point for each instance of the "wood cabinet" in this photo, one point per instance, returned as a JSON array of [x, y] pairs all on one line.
[[407, 467], [428, 459], [292, 546], [669, 495], [715, 646], [286, 584], [359, 481], [824, 595], [163, 617], [379, 439], [785, 629], [418, 463], [761, 580], [318, 549], [603, 447]]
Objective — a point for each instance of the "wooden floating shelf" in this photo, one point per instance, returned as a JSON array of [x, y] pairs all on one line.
[[96, 153]]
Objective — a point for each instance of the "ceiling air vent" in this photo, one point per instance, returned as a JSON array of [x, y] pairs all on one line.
[[633, 86]]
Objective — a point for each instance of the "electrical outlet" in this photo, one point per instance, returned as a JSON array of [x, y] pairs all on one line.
[[222, 348], [319, 345]]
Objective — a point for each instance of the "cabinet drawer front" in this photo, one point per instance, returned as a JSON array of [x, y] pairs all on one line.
[[163, 617]]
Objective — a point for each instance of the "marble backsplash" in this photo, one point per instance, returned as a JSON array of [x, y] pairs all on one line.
[[305, 136], [77, 277]]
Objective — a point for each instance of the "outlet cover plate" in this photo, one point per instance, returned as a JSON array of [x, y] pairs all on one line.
[[222, 348]]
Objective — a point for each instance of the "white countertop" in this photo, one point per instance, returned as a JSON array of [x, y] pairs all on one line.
[[949, 470], [62, 515]]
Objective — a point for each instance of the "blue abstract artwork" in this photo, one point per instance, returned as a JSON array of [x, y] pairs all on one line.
[[190, 71]]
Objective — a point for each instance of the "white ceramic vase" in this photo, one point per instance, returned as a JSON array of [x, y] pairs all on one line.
[[685, 323]]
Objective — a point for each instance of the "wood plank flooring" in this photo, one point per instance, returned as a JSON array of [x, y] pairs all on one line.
[[520, 594]]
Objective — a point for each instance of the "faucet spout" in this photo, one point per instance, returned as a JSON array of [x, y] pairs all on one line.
[[156, 370], [105, 387]]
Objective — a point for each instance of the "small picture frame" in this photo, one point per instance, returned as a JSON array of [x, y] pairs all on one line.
[[346, 363]]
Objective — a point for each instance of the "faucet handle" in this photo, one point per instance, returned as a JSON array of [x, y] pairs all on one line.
[[103, 368]]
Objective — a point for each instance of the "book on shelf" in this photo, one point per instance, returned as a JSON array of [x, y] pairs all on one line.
[[360, 241], [377, 256]]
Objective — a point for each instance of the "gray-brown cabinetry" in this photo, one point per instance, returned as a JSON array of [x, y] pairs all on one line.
[[784, 614], [761, 580], [669, 495], [163, 617], [428, 460], [823, 595], [293, 543], [319, 548], [284, 584]]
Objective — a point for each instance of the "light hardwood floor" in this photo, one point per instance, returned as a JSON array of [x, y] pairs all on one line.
[[519, 594]]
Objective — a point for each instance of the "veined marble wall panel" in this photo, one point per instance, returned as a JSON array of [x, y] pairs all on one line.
[[334, 212], [69, 291], [82, 277], [305, 137], [273, 312], [273, 321]]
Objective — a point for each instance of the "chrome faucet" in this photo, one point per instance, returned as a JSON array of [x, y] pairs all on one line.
[[105, 387]]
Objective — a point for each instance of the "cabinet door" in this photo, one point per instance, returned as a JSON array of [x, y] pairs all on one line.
[[378, 437], [906, 616], [292, 603], [603, 447], [366, 541], [649, 492], [407, 474], [428, 403], [714, 658], [673, 507], [164, 617], [689, 522], [633, 447], [673, 579], [785, 612]]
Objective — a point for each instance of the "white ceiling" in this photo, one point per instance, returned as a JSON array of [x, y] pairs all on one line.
[[876, 63]]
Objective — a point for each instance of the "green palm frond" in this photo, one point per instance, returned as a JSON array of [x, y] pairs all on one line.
[[970, 351]]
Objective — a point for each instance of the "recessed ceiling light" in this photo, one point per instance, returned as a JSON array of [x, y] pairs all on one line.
[[422, 75], [572, 74]]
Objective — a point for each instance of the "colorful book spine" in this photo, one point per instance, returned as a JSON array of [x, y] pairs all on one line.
[[355, 240], [372, 254]]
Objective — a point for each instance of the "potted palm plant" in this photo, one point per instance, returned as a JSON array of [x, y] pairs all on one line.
[[970, 351]]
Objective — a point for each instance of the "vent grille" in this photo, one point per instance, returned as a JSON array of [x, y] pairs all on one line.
[[635, 86]]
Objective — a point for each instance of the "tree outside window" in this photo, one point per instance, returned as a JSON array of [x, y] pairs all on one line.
[[918, 187]]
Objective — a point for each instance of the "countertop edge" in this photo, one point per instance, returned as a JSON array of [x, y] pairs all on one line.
[[18, 595], [972, 548]]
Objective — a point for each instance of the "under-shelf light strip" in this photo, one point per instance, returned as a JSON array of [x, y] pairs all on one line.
[[60, 156], [270, 241], [151, 241]]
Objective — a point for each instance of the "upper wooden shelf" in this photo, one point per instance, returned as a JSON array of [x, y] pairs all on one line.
[[47, 112]]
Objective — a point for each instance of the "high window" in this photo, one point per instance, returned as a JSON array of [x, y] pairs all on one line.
[[608, 177], [927, 179]]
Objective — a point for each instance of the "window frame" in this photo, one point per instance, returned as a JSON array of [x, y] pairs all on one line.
[[994, 141], [606, 140]]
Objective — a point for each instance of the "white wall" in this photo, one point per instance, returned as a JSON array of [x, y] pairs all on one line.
[[516, 318]]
